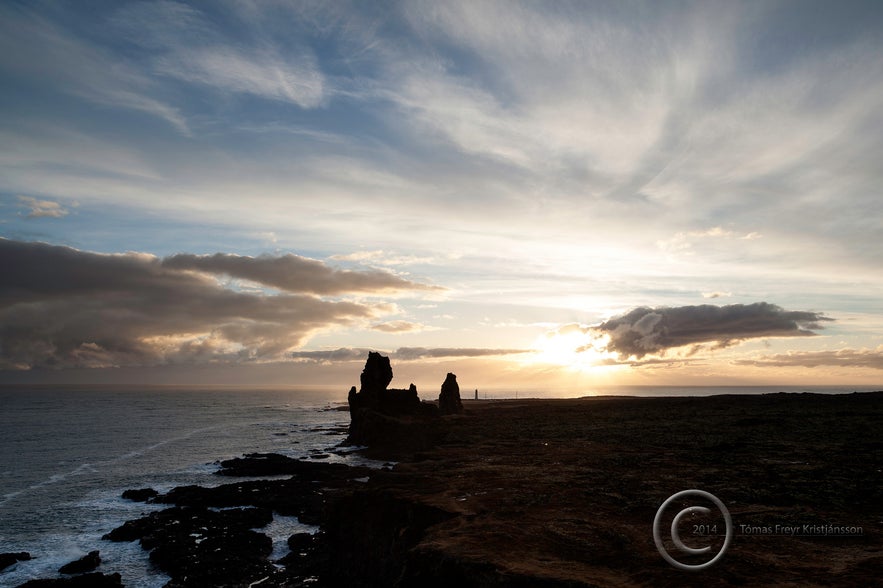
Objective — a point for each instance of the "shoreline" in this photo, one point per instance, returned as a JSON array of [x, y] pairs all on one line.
[[562, 492]]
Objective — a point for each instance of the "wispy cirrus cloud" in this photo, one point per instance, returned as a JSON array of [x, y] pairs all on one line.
[[267, 76], [684, 242], [35, 47], [545, 163], [185, 44]]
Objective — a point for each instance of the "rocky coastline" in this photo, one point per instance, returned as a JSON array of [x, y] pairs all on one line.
[[551, 493]]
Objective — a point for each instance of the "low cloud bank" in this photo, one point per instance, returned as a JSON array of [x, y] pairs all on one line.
[[293, 273], [852, 358], [61, 307], [643, 330], [403, 353]]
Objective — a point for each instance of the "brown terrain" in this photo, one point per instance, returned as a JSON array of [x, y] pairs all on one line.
[[564, 493], [540, 494]]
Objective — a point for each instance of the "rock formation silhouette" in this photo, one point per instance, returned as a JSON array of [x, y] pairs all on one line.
[[449, 399], [381, 416]]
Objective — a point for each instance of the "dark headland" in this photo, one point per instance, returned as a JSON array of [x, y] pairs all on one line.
[[544, 493]]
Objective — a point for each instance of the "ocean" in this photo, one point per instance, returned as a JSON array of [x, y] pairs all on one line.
[[67, 454]]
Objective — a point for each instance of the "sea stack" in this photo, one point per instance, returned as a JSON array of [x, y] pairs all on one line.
[[449, 399], [384, 416]]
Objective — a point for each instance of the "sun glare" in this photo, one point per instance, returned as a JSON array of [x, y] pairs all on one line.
[[574, 348]]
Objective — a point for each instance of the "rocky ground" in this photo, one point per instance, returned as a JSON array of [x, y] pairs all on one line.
[[564, 493], [555, 493]]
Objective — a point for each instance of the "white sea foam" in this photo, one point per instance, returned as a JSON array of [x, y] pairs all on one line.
[[66, 457], [280, 529]]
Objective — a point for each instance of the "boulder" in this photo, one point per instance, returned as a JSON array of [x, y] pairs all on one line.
[[140, 494], [199, 547], [87, 563], [449, 399], [7, 559]]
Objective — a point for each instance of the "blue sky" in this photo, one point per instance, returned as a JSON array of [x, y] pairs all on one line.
[[521, 173]]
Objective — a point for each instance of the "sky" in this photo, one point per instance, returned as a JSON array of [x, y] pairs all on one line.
[[544, 196]]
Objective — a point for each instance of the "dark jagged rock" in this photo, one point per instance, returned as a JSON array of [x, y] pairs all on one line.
[[87, 563], [287, 497], [488, 510], [274, 464], [382, 417], [302, 495], [201, 547], [268, 464], [374, 394], [140, 494], [375, 533], [300, 542], [94, 580], [7, 559], [449, 399], [307, 555], [197, 546], [377, 373]]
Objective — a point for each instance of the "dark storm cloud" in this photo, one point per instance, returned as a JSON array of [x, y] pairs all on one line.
[[293, 273], [652, 330], [852, 358], [61, 307]]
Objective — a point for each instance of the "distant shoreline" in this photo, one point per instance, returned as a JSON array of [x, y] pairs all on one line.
[[332, 392]]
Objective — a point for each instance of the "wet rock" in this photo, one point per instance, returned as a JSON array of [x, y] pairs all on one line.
[[7, 559], [274, 464], [87, 563], [303, 548], [140, 494], [300, 542], [449, 399], [301, 495], [201, 547]]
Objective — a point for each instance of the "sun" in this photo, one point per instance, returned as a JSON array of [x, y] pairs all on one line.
[[574, 348]]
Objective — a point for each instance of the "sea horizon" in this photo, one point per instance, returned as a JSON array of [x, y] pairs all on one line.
[[331, 391]]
